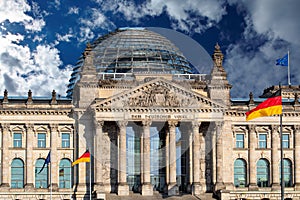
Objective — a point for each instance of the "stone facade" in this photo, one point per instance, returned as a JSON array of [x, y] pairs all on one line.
[[149, 132]]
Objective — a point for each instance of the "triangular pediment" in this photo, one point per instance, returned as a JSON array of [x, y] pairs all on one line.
[[156, 94]]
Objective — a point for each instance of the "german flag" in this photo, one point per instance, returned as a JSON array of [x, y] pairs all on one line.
[[86, 157], [269, 107]]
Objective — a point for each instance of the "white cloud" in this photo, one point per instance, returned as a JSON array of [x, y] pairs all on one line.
[[179, 12], [275, 23], [73, 10], [14, 11], [66, 37], [35, 25]]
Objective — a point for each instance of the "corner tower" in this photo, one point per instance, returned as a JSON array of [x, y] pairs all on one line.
[[218, 86]]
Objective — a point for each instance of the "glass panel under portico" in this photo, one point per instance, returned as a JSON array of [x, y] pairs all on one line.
[[158, 171]]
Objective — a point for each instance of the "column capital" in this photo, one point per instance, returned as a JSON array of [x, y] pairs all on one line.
[[53, 127], [296, 128], [122, 124], [251, 127], [146, 123], [98, 123], [172, 123], [196, 124], [29, 127], [5, 126]]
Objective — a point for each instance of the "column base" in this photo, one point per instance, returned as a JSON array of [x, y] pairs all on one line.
[[219, 186], [253, 187], [196, 189], [123, 189], [173, 189], [99, 188], [297, 186], [276, 187], [147, 189], [189, 188]]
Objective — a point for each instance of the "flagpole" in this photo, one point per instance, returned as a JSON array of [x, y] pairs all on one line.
[[281, 155], [289, 79], [50, 183], [90, 177]]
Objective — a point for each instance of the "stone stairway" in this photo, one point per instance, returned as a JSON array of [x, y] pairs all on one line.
[[158, 196]]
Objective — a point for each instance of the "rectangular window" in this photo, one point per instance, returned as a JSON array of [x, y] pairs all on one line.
[[17, 139], [239, 141], [262, 141], [65, 140], [285, 140], [41, 140]]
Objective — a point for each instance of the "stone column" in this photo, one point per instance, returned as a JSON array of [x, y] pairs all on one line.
[[167, 148], [172, 187], [190, 159], [196, 159], [147, 189], [297, 156], [54, 161], [6, 160], [98, 186], [123, 189], [29, 160], [252, 158], [275, 158], [202, 160], [219, 157]]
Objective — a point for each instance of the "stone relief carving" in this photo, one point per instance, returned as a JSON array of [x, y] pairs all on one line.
[[158, 96]]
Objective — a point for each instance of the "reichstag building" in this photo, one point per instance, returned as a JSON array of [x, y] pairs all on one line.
[[153, 124]]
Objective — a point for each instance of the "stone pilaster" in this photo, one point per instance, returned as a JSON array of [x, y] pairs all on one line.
[[147, 189], [196, 190], [98, 156], [219, 157], [6, 160], [29, 160], [172, 186], [275, 158], [54, 161], [251, 154], [297, 156], [123, 189]]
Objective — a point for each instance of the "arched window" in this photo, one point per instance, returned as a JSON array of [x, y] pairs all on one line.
[[262, 173], [65, 173], [41, 176], [17, 173], [287, 172], [240, 175]]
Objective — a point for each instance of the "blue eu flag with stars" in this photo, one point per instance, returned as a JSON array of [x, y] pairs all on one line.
[[283, 61]]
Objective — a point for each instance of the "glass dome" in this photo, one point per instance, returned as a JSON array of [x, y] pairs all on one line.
[[134, 50]]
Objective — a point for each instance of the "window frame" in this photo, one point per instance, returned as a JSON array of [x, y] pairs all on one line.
[[263, 170], [44, 141], [238, 175], [238, 142], [263, 141], [286, 141], [17, 142], [16, 182], [65, 144], [65, 180]]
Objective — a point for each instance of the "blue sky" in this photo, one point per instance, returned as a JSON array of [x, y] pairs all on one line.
[[41, 40]]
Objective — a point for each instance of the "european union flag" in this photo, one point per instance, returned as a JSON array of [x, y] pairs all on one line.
[[47, 161], [283, 61]]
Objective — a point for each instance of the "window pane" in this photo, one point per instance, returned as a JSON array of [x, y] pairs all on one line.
[[17, 140], [65, 140], [262, 173], [17, 173], [42, 140], [41, 177], [287, 173], [65, 174], [262, 141], [286, 140], [239, 173], [239, 140]]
